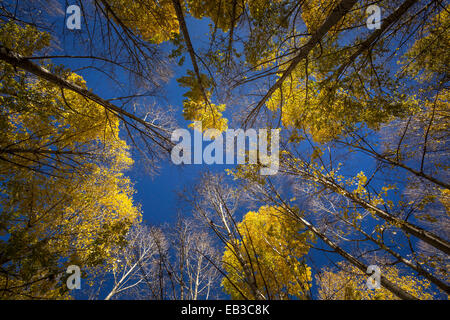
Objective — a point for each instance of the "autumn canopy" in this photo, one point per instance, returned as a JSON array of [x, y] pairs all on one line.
[[359, 91]]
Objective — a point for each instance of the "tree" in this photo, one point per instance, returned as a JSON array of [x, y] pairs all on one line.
[[353, 123], [214, 203], [191, 265], [158, 263], [117, 55], [135, 265], [349, 283], [276, 246], [64, 197], [155, 21], [253, 247]]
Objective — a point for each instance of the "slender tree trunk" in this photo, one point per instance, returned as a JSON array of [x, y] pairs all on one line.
[[361, 266], [424, 235], [336, 15]]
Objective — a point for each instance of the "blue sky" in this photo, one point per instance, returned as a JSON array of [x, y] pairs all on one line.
[[157, 194]]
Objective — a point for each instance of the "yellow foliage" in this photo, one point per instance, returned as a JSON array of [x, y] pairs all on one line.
[[155, 21], [275, 244], [195, 108], [63, 194], [349, 283], [429, 55], [219, 11]]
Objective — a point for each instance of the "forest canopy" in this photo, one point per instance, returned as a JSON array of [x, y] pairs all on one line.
[[91, 97]]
